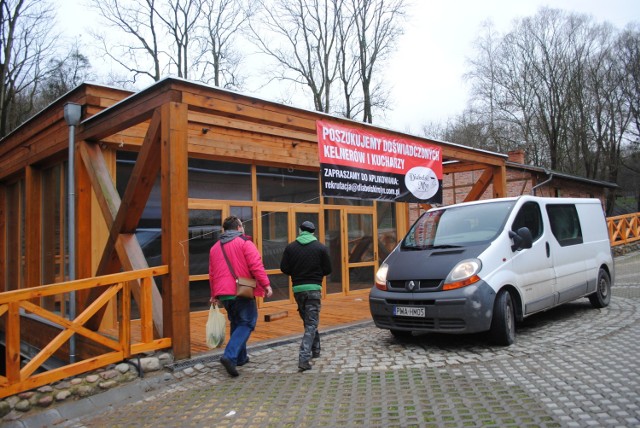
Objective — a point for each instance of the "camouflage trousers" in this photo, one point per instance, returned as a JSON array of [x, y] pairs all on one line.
[[309, 310]]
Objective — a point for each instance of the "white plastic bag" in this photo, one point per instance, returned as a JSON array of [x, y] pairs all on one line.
[[216, 328]]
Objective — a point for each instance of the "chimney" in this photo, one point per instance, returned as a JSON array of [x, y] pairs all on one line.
[[516, 156]]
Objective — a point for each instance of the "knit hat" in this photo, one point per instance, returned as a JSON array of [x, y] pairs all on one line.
[[307, 226]]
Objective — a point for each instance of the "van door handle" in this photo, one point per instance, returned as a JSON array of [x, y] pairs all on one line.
[[548, 249]]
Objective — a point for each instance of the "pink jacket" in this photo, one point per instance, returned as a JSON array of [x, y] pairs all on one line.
[[246, 261]]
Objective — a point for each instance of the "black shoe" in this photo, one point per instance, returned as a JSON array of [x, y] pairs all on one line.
[[229, 366], [315, 354], [243, 363], [303, 366]]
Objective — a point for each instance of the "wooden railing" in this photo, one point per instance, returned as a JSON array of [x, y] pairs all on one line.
[[21, 376], [624, 229]]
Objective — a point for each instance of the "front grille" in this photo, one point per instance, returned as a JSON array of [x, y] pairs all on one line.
[[433, 324], [421, 284]]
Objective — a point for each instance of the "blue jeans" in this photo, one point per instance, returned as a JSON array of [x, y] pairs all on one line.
[[243, 315], [309, 310]]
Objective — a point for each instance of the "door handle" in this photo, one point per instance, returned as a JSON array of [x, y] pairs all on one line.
[[548, 249]]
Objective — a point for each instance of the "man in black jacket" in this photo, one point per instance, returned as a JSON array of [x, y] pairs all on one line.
[[307, 261]]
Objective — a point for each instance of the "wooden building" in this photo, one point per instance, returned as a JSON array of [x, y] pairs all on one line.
[[155, 174]]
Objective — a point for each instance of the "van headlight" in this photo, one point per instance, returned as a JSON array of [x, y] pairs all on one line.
[[381, 277], [463, 274]]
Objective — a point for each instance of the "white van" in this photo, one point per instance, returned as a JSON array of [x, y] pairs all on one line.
[[482, 266]]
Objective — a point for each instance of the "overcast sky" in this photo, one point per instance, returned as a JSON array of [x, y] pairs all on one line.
[[425, 74]]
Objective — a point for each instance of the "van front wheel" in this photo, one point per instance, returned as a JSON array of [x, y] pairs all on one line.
[[503, 323], [602, 296]]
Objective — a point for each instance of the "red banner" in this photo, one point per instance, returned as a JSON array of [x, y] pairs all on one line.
[[373, 165]]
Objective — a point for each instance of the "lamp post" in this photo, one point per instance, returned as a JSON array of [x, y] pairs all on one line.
[[72, 113]]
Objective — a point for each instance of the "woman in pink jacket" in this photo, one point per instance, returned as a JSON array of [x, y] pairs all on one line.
[[242, 313]]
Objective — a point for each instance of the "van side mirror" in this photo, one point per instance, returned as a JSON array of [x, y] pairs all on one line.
[[521, 239]]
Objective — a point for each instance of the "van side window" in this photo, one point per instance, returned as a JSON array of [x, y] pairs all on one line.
[[530, 217], [565, 224]]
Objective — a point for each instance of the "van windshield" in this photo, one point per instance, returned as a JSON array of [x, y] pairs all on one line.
[[458, 226]]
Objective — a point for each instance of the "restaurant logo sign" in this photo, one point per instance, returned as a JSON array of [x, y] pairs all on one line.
[[357, 163]]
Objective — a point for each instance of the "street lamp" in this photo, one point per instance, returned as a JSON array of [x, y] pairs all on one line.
[[72, 113]]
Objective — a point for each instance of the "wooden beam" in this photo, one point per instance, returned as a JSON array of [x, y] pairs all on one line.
[[462, 166], [127, 113], [462, 153], [175, 225], [480, 186], [125, 246], [140, 182], [208, 120], [242, 107], [275, 316]]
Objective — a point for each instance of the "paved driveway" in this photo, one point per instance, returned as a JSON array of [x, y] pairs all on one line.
[[571, 366]]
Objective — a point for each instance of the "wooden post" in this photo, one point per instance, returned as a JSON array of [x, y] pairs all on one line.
[[3, 238], [83, 228], [175, 247], [13, 342], [500, 181]]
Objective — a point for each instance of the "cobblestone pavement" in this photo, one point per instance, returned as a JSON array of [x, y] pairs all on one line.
[[574, 366]]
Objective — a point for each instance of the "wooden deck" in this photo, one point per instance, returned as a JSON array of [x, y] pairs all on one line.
[[336, 310]]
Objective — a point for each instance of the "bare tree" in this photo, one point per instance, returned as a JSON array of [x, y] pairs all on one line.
[[180, 21], [559, 86], [300, 35], [136, 47], [27, 41], [319, 43], [377, 28], [499, 99], [65, 73], [535, 80], [629, 50], [219, 60], [348, 66]]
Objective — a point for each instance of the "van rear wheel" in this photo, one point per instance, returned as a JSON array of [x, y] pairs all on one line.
[[503, 323], [602, 296]]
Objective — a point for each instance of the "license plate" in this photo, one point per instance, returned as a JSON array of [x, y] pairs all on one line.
[[408, 311]]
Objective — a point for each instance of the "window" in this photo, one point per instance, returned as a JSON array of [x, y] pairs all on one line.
[[458, 226], [530, 217], [205, 228], [54, 221], [287, 185], [565, 224], [219, 180], [15, 240], [148, 231]]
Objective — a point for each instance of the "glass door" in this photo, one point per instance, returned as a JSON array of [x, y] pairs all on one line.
[[333, 240], [361, 247], [274, 237]]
